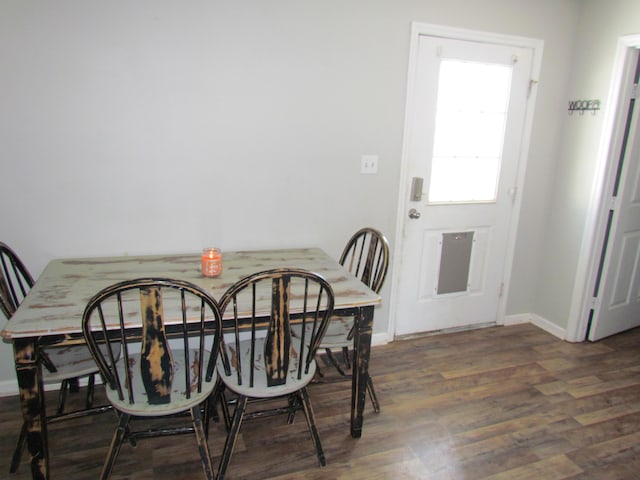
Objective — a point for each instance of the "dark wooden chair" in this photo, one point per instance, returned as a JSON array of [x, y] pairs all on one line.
[[259, 357], [167, 333], [366, 256], [62, 365]]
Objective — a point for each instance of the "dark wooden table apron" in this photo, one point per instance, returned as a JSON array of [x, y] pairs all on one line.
[[51, 315]]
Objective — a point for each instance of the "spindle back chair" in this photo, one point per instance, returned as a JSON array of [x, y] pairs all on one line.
[[259, 356], [155, 341]]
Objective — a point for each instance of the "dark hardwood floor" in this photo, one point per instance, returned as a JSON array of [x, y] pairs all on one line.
[[497, 403]]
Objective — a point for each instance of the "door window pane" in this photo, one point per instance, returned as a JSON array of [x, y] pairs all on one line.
[[470, 121]]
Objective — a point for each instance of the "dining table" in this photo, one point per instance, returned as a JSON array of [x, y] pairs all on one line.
[[51, 315]]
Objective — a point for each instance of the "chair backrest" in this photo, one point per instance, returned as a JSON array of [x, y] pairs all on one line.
[[15, 281], [366, 256], [264, 307], [163, 320]]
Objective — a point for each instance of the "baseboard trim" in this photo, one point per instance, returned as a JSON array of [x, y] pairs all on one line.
[[8, 388], [379, 339], [517, 319], [538, 321]]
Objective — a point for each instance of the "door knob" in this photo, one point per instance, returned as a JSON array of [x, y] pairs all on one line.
[[413, 213]]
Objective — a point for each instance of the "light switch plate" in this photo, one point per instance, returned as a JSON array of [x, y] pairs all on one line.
[[369, 164]]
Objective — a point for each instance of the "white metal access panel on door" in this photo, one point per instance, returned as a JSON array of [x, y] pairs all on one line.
[[466, 112]]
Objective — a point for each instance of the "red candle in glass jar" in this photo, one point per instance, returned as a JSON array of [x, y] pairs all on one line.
[[211, 262]]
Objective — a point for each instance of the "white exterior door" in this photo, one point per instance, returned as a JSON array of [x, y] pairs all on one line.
[[466, 121], [617, 301]]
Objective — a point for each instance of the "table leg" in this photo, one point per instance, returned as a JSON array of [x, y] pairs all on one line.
[[32, 404], [362, 350]]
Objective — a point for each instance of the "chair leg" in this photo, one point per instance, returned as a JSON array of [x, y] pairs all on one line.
[[347, 357], [232, 436], [224, 405], [201, 438], [334, 362], [17, 453], [90, 391], [211, 411], [319, 373], [294, 406], [74, 385], [116, 443], [372, 395], [218, 397], [311, 423], [207, 412], [62, 396]]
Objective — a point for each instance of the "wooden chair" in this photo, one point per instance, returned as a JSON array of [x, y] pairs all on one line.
[[259, 357], [62, 365], [366, 256], [169, 335]]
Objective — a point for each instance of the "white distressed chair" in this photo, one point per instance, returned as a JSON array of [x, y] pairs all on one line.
[[62, 366], [259, 357], [155, 341]]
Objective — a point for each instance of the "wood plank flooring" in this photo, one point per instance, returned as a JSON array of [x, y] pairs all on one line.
[[496, 403]]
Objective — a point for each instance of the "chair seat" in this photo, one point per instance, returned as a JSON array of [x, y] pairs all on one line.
[[337, 334], [179, 401], [70, 362], [260, 388]]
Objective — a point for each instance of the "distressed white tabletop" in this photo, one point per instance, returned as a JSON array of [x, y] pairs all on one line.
[[56, 303]]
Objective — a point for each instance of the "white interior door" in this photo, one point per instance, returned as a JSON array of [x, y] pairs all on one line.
[[617, 290], [466, 111]]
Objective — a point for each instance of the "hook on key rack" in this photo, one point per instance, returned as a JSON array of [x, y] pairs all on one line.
[[584, 105]]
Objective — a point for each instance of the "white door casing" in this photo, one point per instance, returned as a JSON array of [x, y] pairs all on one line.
[[473, 239]]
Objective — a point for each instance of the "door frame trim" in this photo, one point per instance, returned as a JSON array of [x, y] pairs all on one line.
[[604, 176], [536, 45]]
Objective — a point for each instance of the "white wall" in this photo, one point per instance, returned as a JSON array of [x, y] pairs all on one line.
[[601, 24], [159, 126]]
